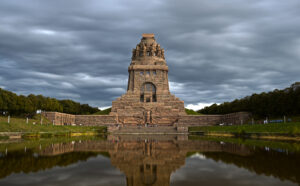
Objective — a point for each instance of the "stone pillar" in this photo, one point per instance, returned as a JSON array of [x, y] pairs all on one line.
[[137, 51], [144, 50], [159, 53]]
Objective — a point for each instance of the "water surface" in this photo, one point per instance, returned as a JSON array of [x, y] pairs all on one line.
[[149, 160]]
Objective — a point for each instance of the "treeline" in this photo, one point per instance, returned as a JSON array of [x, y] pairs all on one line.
[[22, 162], [272, 104], [28, 105]]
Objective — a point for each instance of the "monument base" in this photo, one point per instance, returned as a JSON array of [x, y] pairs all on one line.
[[179, 124], [131, 110]]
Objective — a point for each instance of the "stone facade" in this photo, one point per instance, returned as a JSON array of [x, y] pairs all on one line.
[[180, 124], [93, 120], [58, 118], [238, 118], [148, 100]]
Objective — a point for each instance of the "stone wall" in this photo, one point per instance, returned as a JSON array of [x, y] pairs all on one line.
[[237, 118], [198, 120], [58, 118], [185, 121], [93, 120]]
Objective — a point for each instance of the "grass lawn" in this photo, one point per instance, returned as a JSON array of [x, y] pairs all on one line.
[[20, 125], [287, 128]]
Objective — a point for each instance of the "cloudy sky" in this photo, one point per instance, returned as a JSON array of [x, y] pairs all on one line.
[[216, 50]]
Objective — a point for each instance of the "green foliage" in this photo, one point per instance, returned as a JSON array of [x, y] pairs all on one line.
[[27, 105], [191, 112], [272, 104], [103, 112]]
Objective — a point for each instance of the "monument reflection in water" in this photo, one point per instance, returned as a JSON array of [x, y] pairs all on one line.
[[148, 160]]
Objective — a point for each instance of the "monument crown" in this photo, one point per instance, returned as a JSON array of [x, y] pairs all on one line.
[[148, 35], [148, 48]]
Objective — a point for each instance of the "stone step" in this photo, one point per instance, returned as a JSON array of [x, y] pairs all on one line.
[[150, 129]]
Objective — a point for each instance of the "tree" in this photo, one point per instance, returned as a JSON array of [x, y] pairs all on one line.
[[27, 105], [276, 103]]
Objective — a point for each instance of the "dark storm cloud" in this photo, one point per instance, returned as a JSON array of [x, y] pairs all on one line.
[[216, 50]]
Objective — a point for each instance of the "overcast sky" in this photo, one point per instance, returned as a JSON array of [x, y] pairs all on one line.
[[216, 50]]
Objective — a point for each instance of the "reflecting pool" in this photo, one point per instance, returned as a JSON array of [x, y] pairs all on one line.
[[136, 160]]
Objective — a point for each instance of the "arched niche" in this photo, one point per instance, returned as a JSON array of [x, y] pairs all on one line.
[[148, 92]]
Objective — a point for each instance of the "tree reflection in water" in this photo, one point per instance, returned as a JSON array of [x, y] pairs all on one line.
[[150, 160]]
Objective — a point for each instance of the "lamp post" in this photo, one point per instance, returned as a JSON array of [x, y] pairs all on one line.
[[41, 118]]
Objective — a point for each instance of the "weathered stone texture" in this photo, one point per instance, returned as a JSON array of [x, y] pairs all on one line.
[[198, 120], [92, 120], [182, 121], [237, 118], [58, 118], [148, 99]]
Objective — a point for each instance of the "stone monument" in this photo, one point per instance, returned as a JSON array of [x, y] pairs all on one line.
[[148, 99]]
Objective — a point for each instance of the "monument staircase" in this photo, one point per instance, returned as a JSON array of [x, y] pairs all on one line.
[[142, 129], [165, 111]]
